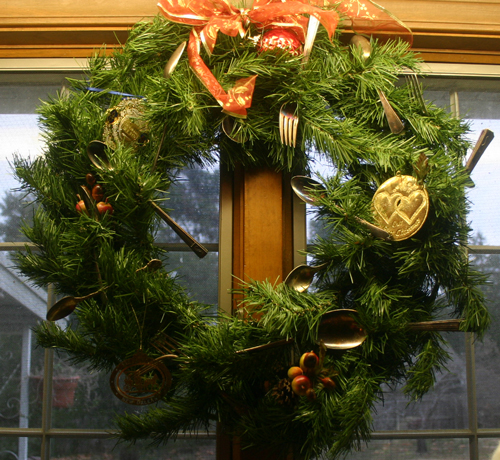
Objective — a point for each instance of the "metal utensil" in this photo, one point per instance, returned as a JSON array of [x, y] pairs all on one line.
[[339, 330], [481, 145], [96, 150], [66, 306], [174, 59], [301, 277], [415, 89], [288, 122], [196, 247], [305, 188], [97, 154], [312, 29], [395, 124], [228, 125]]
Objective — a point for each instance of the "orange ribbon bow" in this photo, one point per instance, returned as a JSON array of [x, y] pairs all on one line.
[[211, 16]]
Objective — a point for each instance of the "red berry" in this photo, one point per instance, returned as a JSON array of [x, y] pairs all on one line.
[[301, 384]]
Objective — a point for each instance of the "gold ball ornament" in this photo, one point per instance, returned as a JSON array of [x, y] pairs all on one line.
[[125, 124], [400, 206]]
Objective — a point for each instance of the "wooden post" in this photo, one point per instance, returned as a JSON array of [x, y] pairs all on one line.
[[262, 249]]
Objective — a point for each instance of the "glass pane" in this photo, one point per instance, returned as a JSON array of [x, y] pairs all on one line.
[[83, 399], [193, 202], [98, 449], [413, 449], [487, 446], [198, 276], [482, 109], [21, 362], [20, 448], [444, 407], [488, 350], [19, 135]]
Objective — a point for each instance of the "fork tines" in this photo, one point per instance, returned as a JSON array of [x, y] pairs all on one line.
[[415, 90], [289, 123]]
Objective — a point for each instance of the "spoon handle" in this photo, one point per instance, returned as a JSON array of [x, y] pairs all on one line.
[[450, 325], [312, 29], [395, 123], [196, 247]]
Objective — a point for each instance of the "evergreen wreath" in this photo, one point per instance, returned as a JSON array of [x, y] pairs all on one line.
[[220, 369]]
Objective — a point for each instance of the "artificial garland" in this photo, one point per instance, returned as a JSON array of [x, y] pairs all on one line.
[[242, 370]]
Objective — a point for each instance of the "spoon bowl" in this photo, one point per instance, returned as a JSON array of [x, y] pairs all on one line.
[[301, 277], [173, 61], [307, 189], [339, 330], [66, 306], [96, 151]]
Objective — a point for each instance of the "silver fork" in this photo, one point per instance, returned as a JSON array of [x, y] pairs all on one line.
[[415, 90], [289, 123]]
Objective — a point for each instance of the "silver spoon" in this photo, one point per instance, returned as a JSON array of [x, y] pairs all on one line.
[[66, 306], [97, 154], [307, 190], [395, 124], [300, 278], [173, 61], [228, 124], [339, 330]]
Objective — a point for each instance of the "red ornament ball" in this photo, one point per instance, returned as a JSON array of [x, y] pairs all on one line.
[[284, 39]]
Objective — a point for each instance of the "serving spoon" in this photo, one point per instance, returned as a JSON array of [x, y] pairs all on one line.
[[308, 189], [300, 278], [97, 155]]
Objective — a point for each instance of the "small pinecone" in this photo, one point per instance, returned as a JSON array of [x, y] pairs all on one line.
[[283, 393]]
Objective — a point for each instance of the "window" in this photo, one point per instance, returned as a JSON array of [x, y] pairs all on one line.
[[459, 418], [48, 408]]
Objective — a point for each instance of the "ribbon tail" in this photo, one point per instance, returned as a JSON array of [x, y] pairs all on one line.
[[239, 97]]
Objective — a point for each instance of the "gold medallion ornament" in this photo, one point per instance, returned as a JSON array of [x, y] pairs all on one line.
[[125, 124], [400, 206], [140, 380]]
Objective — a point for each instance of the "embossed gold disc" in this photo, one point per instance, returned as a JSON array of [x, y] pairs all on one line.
[[140, 380], [400, 206]]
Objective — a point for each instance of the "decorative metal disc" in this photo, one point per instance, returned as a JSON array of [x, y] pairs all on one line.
[[125, 123], [400, 206], [140, 380]]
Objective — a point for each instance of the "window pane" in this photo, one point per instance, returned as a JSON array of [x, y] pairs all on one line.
[[193, 202], [20, 448], [487, 446], [21, 362], [20, 135], [482, 107], [98, 449], [444, 407], [413, 449], [488, 350]]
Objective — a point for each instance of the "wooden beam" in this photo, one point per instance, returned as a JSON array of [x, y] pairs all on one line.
[[462, 31]]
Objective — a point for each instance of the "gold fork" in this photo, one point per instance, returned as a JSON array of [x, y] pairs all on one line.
[[415, 89], [289, 123]]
